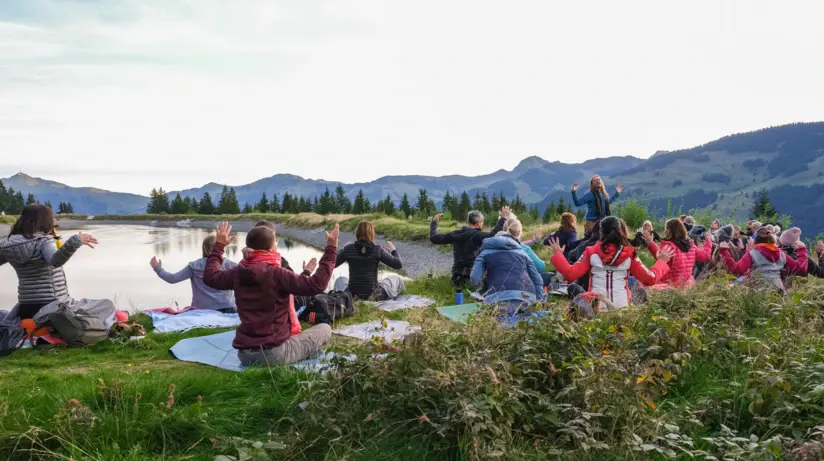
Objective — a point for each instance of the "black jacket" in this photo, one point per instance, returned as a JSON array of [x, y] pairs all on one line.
[[363, 258], [465, 244], [816, 270], [638, 240]]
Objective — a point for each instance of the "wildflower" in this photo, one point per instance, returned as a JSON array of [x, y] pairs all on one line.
[[147, 372], [128, 364], [423, 419]]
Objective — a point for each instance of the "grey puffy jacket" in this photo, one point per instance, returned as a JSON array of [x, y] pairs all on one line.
[[39, 266]]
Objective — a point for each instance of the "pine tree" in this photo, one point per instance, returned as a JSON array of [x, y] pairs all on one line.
[[247, 209], [425, 206], [388, 205], [191, 205], [502, 199], [178, 206], [4, 199], [560, 208], [550, 213], [450, 204], [763, 210], [405, 207], [158, 202], [534, 213], [48, 204], [69, 208], [287, 206], [344, 205], [361, 204], [307, 205], [263, 205], [487, 207], [274, 204], [518, 205], [328, 204], [464, 206], [30, 200], [496, 203], [478, 203], [227, 203], [207, 206]]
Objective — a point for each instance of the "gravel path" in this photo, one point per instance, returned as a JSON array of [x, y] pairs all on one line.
[[419, 258]]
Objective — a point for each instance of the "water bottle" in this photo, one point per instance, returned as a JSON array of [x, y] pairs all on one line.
[[459, 297]]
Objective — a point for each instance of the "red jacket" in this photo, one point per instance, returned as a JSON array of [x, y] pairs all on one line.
[[680, 274], [610, 271], [262, 294], [771, 253]]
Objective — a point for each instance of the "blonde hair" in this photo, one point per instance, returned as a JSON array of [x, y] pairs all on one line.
[[365, 231], [514, 227], [689, 220], [643, 226], [208, 245]]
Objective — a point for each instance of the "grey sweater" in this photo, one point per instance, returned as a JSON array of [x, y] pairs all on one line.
[[203, 297], [39, 266]]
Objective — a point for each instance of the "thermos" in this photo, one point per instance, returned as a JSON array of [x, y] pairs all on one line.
[[459, 297]]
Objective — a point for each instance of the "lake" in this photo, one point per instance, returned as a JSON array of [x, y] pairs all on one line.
[[118, 269]]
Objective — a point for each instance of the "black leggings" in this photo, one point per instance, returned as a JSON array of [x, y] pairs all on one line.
[[29, 310]]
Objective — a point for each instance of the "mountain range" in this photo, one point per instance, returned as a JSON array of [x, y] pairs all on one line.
[[723, 174]]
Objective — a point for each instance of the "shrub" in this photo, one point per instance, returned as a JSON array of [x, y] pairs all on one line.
[[633, 212]]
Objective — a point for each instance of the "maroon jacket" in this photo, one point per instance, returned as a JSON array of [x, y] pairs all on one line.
[[262, 295]]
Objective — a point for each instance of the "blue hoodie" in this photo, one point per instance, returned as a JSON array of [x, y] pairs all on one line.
[[588, 199], [203, 297], [510, 273]]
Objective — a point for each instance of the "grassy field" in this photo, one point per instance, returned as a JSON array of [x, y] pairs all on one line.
[[712, 373]]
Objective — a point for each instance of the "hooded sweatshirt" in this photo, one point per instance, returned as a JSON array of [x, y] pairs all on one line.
[[510, 273], [39, 266], [589, 200], [203, 297], [262, 293], [465, 244], [767, 260], [609, 269], [364, 258], [686, 255]]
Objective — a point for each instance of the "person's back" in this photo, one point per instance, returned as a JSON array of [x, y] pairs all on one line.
[[364, 258], [686, 254], [263, 291], [466, 242], [203, 296], [511, 274], [32, 250]]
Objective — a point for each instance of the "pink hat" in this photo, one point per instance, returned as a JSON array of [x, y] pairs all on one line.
[[790, 236]]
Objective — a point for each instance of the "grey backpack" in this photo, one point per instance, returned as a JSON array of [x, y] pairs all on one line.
[[77, 327]]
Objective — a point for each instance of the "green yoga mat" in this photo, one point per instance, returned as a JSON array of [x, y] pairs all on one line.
[[459, 313]]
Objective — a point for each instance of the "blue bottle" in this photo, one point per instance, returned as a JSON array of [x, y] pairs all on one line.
[[459, 297]]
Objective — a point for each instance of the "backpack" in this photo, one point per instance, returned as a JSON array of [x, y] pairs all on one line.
[[326, 308], [77, 327], [11, 338]]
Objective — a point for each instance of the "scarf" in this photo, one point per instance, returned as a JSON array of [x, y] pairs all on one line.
[[601, 203], [252, 257], [769, 246]]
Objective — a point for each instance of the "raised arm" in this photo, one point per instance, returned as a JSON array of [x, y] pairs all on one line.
[[435, 237], [391, 259], [614, 197], [575, 271], [587, 197], [213, 275], [704, 254], [798, 266], [184, 274], [57, 258], [303, 285], [740, 267], [648, 276]]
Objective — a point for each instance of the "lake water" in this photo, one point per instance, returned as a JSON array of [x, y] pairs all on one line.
[[118, 269]]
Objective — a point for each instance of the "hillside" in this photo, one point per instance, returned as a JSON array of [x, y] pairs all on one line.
[[724, 174]]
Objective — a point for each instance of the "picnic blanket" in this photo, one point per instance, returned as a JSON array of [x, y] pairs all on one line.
[[405, 302], [216, 350], [388, 330], [459, 313], [166, 323]]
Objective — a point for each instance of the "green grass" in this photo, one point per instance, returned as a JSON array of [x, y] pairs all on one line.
[[8, 219]]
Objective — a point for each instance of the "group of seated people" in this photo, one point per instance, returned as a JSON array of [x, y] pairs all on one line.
[[263, 288], [605, 260]]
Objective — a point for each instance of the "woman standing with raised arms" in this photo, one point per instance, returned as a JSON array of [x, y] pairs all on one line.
[[596, 200]]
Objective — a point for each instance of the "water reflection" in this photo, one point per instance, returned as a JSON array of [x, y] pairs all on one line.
[[119, 268]]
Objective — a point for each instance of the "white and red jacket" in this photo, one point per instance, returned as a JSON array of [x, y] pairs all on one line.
[[680, 274], [610, 268]]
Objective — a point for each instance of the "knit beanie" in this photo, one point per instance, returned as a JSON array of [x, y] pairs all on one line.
[[790, 237], [724, 234], [699, 232]]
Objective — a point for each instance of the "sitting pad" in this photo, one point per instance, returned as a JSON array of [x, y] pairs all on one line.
[[394, 330], [166, 323], [459, 313], [217, 351], [405, 302]]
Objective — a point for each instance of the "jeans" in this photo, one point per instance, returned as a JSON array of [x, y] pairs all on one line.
[[300, 347]]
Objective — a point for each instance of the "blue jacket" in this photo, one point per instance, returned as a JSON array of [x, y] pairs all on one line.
[[567, 240], [203, 297], [588, 199], [510, 273]]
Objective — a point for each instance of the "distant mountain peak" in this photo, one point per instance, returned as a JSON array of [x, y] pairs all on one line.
[[531, 162]]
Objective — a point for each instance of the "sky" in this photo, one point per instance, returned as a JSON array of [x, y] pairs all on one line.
[[127, 95]]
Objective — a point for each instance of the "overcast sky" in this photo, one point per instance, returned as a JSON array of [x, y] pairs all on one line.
[[130, 94]]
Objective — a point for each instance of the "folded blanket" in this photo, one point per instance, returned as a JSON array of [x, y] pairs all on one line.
[[166, 323], [405, 302], [389, 330]]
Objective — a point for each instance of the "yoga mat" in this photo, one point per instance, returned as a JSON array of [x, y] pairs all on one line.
[[459, 313], [217, 351], [187, 320], [405, 302], [394, 330]]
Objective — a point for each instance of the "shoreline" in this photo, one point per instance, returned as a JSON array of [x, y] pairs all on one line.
[[418, 259]]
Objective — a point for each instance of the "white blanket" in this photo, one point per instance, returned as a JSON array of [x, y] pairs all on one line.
[[392, 330], [166, 323], [405, 302]]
